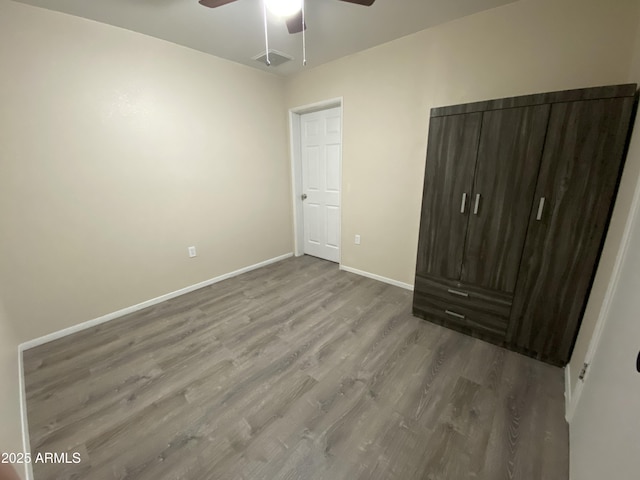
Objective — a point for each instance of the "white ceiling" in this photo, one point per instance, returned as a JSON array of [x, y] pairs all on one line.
[[236, 32]]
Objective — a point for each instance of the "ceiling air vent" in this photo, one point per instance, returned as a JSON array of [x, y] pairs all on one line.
[[275, 57]]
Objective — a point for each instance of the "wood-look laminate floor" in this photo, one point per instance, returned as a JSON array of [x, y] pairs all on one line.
[[293, 371]]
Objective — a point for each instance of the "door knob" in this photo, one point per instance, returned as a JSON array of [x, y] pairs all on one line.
[[303, 196]]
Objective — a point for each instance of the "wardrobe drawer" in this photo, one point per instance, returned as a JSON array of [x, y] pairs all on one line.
[[455, 315], [455, 293]]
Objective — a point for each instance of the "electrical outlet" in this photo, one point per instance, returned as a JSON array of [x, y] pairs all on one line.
[[192, 252], [357, 240]]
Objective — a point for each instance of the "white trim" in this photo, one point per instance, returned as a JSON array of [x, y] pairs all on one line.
[[317, 106], [296, 165], [574, 397], [296, 182], [567, 386], [380, 278], [154, 301], [26, 444]]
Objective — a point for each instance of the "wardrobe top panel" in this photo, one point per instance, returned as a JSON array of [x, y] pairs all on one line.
[[594, 93]]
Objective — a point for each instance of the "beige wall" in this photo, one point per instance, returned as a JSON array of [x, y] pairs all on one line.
[[118, 151], [614, 237], [11, 429], [525, 47]]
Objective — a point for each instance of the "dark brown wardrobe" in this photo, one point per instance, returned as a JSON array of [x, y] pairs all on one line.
[[517, 197]]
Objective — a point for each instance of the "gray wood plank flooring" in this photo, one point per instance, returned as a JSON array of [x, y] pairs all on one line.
[[293, 371]]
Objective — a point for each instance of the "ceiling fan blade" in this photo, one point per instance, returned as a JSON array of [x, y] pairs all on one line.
[[294, 23], [215, 3], [366, 3]]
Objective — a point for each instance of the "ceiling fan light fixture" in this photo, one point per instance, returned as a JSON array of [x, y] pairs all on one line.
[[284, 8]]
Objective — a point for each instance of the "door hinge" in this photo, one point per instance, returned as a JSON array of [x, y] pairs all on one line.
[[583, 372]]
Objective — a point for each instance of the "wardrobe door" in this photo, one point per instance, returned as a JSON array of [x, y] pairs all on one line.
[[448, 179], [578, 177], [507, 168]]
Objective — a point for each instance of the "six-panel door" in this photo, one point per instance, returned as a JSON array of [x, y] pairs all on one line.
[[577, 181], [448, 179], [321, 150]]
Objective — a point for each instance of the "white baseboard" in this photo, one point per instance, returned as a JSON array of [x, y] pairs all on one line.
[[26, 444], [149, 303], [380, 278]]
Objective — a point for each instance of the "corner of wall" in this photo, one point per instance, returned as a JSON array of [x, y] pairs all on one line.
[[26, 444], [12, 434]]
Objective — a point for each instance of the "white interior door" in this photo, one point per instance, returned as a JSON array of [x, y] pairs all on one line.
[[321, 150]]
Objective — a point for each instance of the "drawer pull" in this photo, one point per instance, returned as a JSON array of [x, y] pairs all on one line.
[[458, 292], [454, 314]]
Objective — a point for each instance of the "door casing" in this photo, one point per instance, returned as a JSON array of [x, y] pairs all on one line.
[[295, 115]]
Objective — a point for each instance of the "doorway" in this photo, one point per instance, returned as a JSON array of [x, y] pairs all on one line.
[[316, 143]]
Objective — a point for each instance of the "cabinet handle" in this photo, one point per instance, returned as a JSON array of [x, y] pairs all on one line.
[[540, 209], [458, 292], [477, 205], [454, 314], [464, 202]]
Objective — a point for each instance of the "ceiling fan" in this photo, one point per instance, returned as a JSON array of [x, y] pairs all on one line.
[[290, 10]]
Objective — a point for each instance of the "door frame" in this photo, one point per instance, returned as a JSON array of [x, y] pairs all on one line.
[[295, 115]]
